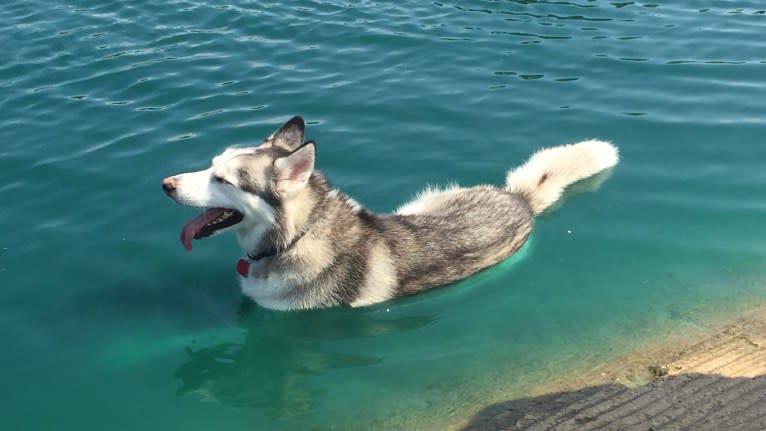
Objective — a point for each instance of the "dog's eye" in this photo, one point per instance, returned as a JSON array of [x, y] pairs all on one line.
[[222, 180]]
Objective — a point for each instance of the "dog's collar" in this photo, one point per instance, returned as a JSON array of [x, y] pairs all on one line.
[[272, 251], [259, 256], [243, 266]]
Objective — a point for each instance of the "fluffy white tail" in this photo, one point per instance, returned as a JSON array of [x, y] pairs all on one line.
[[549, 171]]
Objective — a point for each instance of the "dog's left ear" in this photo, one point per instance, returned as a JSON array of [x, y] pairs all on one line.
[[292, 172], [289, 136]]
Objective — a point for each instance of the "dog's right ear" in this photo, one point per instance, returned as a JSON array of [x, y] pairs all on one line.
[[292, 172], [289, 136]]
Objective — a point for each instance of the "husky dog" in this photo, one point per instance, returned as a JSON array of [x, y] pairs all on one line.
[[309, 245]]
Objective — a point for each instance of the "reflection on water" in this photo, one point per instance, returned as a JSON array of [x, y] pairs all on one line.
[[271, 369], [583, 186]]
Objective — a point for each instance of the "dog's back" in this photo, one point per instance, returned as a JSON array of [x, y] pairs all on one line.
[[446, 235], [456, 234]]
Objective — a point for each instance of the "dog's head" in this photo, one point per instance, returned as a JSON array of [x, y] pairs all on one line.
[[244, 187]]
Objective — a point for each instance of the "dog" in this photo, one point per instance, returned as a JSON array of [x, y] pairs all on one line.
[[307, 245]]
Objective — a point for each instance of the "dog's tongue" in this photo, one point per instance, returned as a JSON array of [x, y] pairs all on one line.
[[194, 225]]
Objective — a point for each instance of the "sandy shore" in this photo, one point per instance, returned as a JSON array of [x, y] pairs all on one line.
[[714, 381]]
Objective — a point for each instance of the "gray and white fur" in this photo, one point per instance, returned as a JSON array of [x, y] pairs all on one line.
[[316, 247]]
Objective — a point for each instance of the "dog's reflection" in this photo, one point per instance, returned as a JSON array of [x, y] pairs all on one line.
[[589, 184], [269, 370]]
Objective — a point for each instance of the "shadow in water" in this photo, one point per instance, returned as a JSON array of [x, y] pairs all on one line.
[[683, 402], [272, 367]]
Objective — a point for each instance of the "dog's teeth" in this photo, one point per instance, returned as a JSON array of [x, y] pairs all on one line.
[[220, 218]]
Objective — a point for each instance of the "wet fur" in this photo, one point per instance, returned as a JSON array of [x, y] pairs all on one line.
[[345, 254]]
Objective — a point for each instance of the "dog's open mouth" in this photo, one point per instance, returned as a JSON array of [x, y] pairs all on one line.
[[208, 223]]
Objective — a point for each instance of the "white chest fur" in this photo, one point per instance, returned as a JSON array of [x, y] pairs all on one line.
[[270, 291]]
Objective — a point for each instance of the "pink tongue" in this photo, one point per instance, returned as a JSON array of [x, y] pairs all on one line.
[[194, 225]]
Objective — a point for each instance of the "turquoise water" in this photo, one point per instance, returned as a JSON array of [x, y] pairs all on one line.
[[107, 323]]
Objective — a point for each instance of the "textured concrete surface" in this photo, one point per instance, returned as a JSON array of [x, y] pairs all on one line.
[[718, 383]]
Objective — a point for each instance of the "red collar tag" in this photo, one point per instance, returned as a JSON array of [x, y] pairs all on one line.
[[243, 267]]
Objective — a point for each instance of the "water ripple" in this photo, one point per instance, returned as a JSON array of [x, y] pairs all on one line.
[[100, 100]]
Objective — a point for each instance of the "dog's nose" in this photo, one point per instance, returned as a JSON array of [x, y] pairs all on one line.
[[169, 185]]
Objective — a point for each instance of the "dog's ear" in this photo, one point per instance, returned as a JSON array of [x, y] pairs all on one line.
[[292, 172], [289, 136]]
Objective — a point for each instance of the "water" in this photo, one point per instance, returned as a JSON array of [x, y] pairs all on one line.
[[106, 321]]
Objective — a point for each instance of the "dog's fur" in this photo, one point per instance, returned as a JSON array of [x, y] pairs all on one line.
[[320, 248]]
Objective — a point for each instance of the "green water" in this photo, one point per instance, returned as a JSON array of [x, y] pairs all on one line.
[[107, 323]]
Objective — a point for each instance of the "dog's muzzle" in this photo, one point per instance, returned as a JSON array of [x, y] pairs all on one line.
[[169, 186]]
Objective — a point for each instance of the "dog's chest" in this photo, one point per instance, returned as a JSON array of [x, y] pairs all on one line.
[[270, 291]]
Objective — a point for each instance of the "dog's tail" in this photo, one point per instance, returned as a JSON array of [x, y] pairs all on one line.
[[549, 171]]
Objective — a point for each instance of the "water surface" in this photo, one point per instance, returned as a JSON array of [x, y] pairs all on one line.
[[106, 321]]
